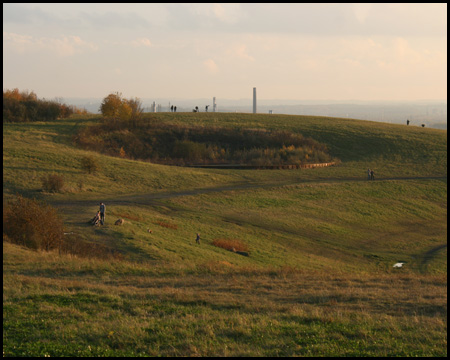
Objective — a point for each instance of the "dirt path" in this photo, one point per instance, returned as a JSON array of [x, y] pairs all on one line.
[[149, 199], [428, 256]]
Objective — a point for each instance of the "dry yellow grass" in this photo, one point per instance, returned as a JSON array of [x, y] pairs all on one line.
[[216, 309]]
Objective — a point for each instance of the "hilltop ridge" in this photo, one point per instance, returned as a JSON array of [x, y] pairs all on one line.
[[432, 113]]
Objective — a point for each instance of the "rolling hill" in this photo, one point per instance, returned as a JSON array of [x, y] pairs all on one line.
[[328, 232]]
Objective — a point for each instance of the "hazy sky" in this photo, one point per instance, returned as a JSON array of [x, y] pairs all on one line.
[[287, 51]]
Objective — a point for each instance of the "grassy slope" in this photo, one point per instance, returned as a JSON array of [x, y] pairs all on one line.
[[317, 221]]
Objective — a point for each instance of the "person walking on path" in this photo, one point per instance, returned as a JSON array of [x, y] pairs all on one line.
[[102, 213], [197, 240], [368, 174], [372, 177]]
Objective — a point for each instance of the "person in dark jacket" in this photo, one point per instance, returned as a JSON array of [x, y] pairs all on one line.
[[102, 213]]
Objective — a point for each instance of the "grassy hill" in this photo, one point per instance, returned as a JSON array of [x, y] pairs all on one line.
[[319, 280]]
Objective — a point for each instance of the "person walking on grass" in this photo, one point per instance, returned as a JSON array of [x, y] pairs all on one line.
[[368, 174], [197, 240], [102, 213], [372, 177]]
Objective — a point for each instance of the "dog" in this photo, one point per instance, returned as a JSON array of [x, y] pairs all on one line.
[[119, 222]]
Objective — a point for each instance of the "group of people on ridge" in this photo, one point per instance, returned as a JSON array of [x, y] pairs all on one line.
[[370, 175]]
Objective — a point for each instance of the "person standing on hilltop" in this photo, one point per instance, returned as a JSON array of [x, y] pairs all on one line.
[[102, 213], [197, 240]]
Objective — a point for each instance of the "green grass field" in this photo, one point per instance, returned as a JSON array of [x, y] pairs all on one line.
[[319, 280]]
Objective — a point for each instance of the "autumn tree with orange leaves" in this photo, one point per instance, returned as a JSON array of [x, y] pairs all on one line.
[[115, 107]]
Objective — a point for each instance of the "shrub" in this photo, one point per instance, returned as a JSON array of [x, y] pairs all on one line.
[[230, 244], [122, 153], [114, 107], [189, 150], [89, 164], [29, 223], [166, 225], [53, 182]]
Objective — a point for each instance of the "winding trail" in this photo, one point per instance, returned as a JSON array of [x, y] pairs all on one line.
[[429, 255], [148, 199]]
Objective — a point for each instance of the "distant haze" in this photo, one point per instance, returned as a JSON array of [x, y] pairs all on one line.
[[341, 52]]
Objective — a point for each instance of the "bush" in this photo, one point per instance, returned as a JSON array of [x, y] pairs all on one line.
[[114, 107], [89, 164], [29, 223], [189, 150], [230, 244], [53, 182]]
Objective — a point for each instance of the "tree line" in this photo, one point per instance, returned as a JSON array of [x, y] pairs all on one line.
[[24, 106]]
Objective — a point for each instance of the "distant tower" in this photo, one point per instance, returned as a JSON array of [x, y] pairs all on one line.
[[254, 100], [214, 104]]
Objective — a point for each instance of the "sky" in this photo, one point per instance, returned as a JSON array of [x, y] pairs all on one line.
[[367, 52]]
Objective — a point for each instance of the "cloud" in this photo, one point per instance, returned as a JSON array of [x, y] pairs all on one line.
[[19, 42], [17, 13], [228, 13], [211, 66], [62, 46], [141, 42], [361, 11], [320, 19], [240, 52]]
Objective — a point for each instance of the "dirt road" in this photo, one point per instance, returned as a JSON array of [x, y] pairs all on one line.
[[151, 198]]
